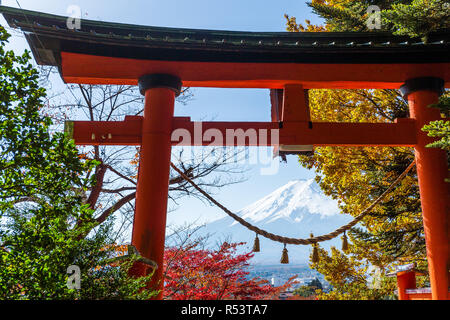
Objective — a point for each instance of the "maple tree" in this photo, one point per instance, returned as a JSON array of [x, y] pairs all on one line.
[[194, 273]]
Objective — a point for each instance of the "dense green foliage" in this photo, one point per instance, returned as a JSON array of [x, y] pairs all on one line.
[[415, 18], [41, 208], [309, 290]]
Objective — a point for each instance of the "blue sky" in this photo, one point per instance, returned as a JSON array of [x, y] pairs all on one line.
[[249, 15], [217, 104]]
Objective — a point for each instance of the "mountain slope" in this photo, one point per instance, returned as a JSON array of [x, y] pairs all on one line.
[[294, 210]]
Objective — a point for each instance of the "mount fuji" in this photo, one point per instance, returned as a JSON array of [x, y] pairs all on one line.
[[293, 210]]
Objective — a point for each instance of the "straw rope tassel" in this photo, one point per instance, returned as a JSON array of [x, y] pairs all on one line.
[[344, 242], [284, 256], [315, 253], [256, 247]]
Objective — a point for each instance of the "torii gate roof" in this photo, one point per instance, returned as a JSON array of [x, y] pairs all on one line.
[[115, 53]]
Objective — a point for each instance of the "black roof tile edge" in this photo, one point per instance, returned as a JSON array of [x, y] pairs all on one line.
[[48, 35], [32, 21]]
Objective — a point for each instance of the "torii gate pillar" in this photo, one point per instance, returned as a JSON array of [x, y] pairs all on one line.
[[154, 169], [431, 171]]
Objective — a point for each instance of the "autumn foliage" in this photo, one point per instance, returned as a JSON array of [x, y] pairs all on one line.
[[194, 273]]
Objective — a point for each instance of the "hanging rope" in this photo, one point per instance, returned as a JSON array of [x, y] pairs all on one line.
[[297, 241]]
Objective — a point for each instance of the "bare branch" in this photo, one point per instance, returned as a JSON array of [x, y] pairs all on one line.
[[121, 175], [105, 214], [118, 190]]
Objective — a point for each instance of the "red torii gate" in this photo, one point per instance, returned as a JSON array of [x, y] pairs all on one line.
[[161, 60]]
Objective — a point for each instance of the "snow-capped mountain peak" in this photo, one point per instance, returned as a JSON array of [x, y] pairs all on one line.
[[293, 210], [290, 202]]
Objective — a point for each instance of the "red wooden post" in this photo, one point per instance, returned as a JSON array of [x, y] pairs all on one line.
[[434, 191], [154, 167], [405, 280]]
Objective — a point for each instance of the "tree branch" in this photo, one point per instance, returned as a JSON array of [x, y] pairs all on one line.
[[105, 214]]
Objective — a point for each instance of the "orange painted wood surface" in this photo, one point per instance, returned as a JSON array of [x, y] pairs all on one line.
[[91, 69], [422, 296], [149, 225], [434, 193], [405, 280], [128, 132]]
